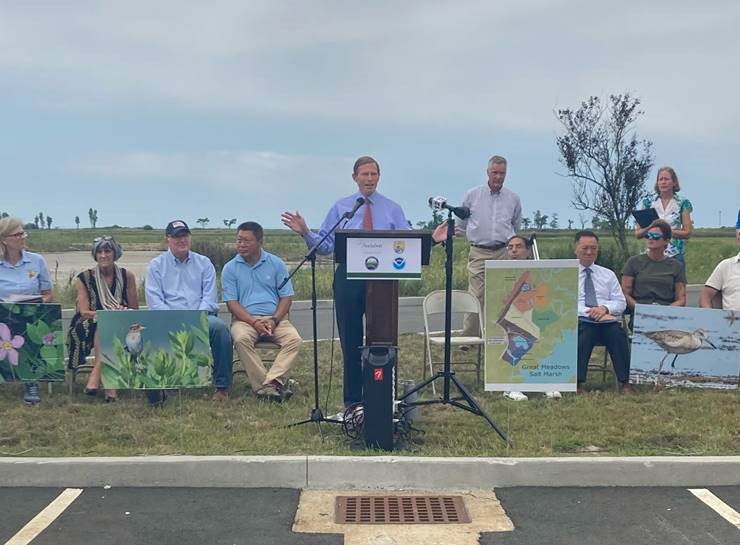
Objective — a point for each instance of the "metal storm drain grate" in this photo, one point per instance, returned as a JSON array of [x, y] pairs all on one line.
[[400, 510]]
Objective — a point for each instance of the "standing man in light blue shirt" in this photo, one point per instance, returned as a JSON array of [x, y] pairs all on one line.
[[180, 279], [495, 217], [378, 212], [259, 310]]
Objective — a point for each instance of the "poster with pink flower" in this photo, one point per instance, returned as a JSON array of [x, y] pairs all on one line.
[[31, 342]]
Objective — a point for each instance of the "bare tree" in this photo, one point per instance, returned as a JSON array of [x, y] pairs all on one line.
[[604, 158], [570, 225]]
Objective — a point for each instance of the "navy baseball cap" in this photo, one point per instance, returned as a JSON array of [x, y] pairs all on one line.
[[176, 228]]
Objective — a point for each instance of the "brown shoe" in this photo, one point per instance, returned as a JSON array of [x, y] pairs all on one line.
[[626, 388], [221, 394], [270, 392]]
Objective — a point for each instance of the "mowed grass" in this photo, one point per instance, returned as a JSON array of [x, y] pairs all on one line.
[[669, 422]]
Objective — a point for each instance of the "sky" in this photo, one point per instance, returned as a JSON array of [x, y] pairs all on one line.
[[151, 111]]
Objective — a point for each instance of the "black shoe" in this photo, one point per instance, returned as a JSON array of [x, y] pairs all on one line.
[[156, 397], [92, 392]]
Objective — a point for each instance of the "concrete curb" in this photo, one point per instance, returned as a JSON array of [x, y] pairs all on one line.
[[366, 472]]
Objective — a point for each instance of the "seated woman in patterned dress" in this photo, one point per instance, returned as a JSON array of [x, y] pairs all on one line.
[[104, 287]]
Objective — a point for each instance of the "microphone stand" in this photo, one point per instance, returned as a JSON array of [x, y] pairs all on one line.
[[317, 416], [447, 375]]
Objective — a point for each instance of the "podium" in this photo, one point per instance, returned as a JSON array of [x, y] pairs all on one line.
[[381, 259]]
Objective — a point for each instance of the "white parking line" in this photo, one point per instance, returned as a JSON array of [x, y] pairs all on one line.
[[41, 521], [724, 510]]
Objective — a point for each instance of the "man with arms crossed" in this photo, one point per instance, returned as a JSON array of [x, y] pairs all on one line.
[[180, 279], [725, 279], [259, 310]]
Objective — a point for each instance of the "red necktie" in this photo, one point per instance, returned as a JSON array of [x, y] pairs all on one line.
[[367, 220]]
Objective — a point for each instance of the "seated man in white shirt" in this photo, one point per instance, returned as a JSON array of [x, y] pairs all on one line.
[[600, 306], [725, 279]]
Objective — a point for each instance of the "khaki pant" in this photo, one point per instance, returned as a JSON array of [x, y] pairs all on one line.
[[477, 283], [285, 335]]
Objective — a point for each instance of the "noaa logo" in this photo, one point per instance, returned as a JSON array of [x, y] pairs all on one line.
[[399, 246], [371, 263], [399, 263]]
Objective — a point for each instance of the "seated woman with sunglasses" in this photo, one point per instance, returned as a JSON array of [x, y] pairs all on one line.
[[653, 277], [24, 277], [104, 287]]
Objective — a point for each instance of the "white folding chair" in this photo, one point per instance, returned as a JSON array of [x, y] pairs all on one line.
[[462, 302]]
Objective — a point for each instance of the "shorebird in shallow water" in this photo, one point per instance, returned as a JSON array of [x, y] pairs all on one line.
[[677, 342]]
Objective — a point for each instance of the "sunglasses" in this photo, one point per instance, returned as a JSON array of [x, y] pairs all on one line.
[[106, 238], [653, 236]]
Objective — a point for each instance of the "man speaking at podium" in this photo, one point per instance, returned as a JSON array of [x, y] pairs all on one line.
[[373, 212]]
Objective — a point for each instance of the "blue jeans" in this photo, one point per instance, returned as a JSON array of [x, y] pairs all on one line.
[[222, 350]]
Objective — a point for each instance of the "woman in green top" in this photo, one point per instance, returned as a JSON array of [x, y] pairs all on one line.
[[653, 277], [676, 211]]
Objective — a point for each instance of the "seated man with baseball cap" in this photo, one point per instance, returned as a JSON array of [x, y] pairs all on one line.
[[180, 279]]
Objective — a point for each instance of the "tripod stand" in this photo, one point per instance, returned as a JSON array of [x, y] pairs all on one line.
[[317, 416], [465, 401]]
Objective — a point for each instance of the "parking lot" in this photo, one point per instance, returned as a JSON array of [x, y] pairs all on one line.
[[558, 515]]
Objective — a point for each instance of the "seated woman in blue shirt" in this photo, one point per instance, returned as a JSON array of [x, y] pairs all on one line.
[[22, 273]]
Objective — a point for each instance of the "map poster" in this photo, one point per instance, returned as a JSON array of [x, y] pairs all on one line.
[[531, 325]]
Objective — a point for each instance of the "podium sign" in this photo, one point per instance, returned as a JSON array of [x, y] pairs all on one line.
[[384, 258]]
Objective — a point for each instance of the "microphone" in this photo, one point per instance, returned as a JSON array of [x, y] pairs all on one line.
[[351, 213], [439, 203]]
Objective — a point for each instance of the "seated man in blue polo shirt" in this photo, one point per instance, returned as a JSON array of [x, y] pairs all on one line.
[[180, 279], [249, 285]]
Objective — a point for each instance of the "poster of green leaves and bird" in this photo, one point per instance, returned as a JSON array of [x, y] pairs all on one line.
[[154, 349]]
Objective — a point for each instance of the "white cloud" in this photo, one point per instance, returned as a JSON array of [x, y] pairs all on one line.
[[501, 64]]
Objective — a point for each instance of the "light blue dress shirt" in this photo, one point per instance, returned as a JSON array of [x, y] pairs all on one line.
[[608, 291], [181, 285], [494, 217], [256, 286], [28, 277], [386, 215]]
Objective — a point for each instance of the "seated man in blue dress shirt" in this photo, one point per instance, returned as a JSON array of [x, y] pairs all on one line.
[[378, 212], [180, 279], [600, 307], [259, 310]]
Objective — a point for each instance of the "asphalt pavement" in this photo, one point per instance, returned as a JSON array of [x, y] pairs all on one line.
[[231, 516]]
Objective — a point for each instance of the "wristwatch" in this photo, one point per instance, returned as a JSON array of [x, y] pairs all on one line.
[[274, 319]]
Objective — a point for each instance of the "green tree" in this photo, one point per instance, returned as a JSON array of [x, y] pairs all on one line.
[[202, 222], [554, 221], [605, 160], [77, 222], [431, 224], [48, 222], [229, 222], [526, 223]]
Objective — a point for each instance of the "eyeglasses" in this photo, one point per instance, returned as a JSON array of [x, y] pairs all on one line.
[[106, 238], [652, 236], [22, 234]]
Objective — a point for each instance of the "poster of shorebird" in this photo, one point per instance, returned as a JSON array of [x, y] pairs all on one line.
[[686, 346], [154, 349], [31, 342]]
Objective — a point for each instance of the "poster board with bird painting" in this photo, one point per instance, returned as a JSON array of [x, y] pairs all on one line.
[[154, 349], [31, 342], [686, 346]]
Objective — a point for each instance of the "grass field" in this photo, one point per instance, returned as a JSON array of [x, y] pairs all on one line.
[[706, 248], [669, 422]]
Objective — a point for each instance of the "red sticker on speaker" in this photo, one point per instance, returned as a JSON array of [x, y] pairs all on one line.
[[378, 374]]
